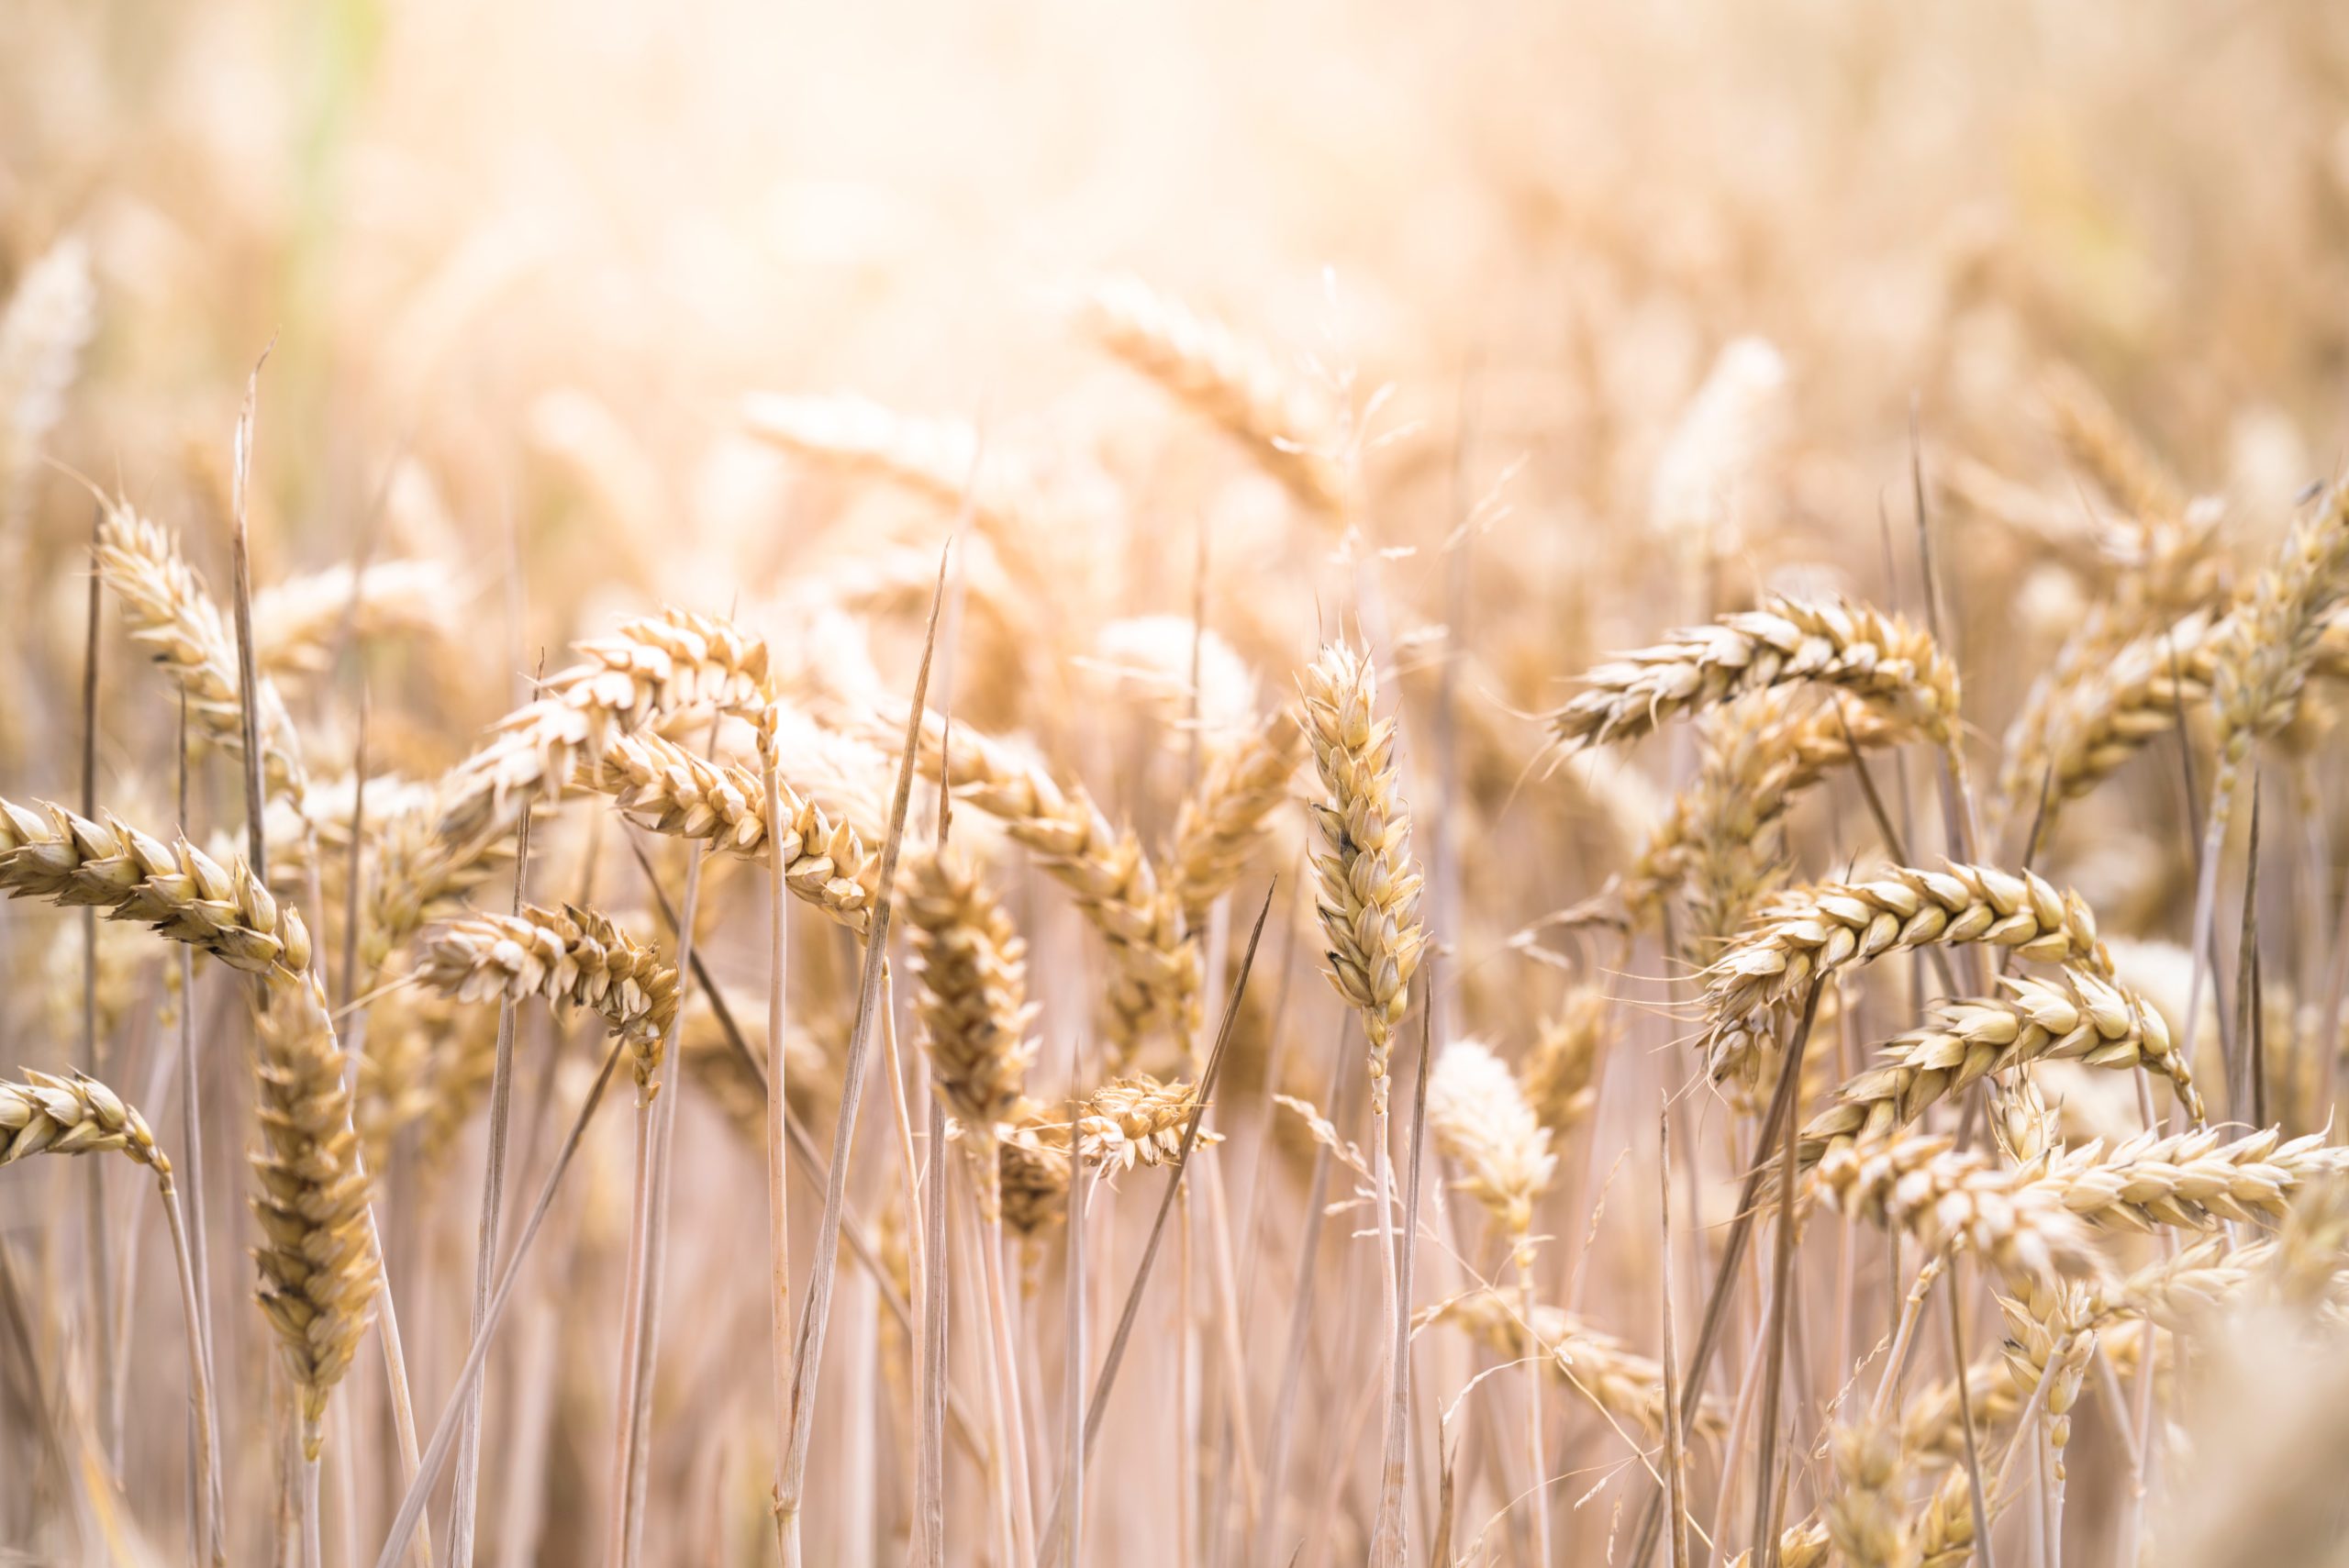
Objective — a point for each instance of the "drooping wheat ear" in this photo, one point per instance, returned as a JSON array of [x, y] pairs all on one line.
[[1860, 650], [1948, 1198], [1156, 984], [576, 956], [171, 615], [49, 321], [1722, 837], [1866, 1521], [650, 668], [2128, 472], [937, 455], [2075, 1018], [1560, 1073], [2051, 1338], [1600, 1367], [296, 622], [668, 789], [1033, 1168], [1282, 418], [1483, 1124], [1223, 824], [2262, 655], [2095, 708], [49, 1114], [1368, 897], [973, 995], [2191, 1180], [1932, 1428], [416, 872], [1809, 933], [318, 1263], [1137, 1121], [174, 887]]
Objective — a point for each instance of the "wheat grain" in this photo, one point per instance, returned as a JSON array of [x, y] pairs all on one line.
[[1368, 886], [1857, 648]]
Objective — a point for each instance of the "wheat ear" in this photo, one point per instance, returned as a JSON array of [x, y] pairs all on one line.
[[575, 955], [1809, 933], [971, 998], [298, 622], [650, 668], [1616, 1380], [1948, 1198], [1137, 1121], [2192, 1179], [1233, 382], [1483, 1125], [173, 617], [1867, 1522], [2077, 1017], [668, 789], [1224, 822], [1853, 647]]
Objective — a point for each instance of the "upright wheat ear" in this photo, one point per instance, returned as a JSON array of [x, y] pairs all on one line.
[[1483, 1124], [318, 1268], [973, 1001], [1368, 886]]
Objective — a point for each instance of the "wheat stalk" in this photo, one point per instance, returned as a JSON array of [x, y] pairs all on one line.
[[2075, 1018], [1860, 650], [1233, 382], [576, 956], [173, 617]]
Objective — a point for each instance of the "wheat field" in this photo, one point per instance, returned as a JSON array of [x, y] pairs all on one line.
[[1173, 783]]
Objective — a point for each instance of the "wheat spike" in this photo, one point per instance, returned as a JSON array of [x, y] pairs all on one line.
[[49, 1114], [1599, 1367], [2077, 1017], [652, 667], [576, 956], [1368, 892], [1948, 1198], [1561, 1070], [668, 789], [1483, 1123], [1235, 383], [318, 1268], [48, 323], [1723, 838], [2192, 1179], [1156, 986], [296, 622], [1860, 650], [174, 888], [1222, 824], [173, 617], [1138, 1120], [416, 872], [1809, 933], [973, 997], [2263, 653], [2050, 1339], [1867, 1522], [1033, 1168], [2099, 441]]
